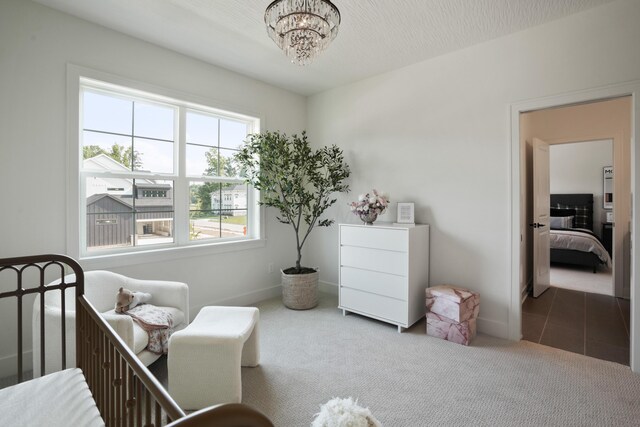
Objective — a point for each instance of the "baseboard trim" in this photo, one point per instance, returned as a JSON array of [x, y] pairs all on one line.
[[254, 297], [493, 327], [245, 299], [328, 287], [486, 326], [525, 292], [9, 364]]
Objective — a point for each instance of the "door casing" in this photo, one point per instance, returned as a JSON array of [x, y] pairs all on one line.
[[592, 95]]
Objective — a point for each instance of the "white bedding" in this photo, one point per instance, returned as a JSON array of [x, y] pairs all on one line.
[[59, 399], [579, 241]]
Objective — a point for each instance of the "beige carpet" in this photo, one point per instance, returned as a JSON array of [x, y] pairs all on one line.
[[581, 279], [413, 380]]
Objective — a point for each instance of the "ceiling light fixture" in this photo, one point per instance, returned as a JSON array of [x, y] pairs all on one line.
[[302, 28]]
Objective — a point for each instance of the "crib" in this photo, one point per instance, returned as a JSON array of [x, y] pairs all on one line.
[[109, 386]]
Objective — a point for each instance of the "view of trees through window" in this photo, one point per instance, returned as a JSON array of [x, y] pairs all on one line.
[[125, 156], [216, 166], [129, 148], [219, 202]]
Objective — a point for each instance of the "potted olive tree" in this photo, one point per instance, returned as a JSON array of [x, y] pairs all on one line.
[[299, 182]]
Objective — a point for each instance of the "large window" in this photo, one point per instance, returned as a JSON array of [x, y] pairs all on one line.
[[157, 172]]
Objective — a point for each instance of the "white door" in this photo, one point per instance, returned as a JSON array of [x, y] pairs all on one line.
[[540, 221]]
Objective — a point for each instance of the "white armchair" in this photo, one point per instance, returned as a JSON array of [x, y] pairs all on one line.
[[100, 288]]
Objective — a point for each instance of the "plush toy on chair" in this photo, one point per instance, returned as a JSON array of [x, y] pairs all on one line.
[[126, 299]]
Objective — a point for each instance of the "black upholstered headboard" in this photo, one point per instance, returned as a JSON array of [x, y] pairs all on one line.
[[583, 203]]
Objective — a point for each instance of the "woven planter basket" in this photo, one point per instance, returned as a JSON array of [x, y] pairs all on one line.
[[300, 291]]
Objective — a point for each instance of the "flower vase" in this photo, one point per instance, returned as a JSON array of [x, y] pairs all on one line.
[[369, 217]]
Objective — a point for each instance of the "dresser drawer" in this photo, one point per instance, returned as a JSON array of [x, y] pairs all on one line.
[[378, 238], [374, 259], [374, 282], [376, 305]]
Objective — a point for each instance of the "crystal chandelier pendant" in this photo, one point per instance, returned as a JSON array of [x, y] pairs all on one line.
[[302, 28]]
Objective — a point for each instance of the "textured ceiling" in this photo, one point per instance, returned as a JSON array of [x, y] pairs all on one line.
[[375, 35]]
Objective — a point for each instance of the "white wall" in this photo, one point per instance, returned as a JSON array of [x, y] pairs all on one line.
[[438, 133], [577, 168], [36, 44]]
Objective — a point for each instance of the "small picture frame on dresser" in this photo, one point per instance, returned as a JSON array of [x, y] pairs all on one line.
[[406, 213]]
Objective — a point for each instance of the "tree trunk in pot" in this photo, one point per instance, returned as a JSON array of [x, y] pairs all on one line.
[[300, 291]]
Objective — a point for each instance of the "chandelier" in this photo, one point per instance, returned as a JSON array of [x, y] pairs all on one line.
[[302, 28]]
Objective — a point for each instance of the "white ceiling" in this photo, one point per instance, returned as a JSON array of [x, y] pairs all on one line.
[[375, 35]]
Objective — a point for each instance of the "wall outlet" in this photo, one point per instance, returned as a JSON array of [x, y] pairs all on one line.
[[270, 267]]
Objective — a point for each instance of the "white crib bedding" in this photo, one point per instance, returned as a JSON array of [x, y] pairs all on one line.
[[58, 399]]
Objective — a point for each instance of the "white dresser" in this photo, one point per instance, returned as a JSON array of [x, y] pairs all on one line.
[[384, 271]]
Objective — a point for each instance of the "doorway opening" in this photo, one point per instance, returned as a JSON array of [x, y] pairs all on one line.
[[578, 312], [573, 294], [581, 251]]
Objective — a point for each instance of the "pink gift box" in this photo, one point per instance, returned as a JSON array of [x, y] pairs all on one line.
[[458, 332], [454, 303]]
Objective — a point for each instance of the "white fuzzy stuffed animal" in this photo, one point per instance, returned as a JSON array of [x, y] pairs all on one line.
[[126, 299], [344, 413]]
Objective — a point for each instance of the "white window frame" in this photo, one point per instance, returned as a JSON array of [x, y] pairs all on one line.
[[79, 77]]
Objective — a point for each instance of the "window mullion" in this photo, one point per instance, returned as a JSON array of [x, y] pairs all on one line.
[[182, 194], [129, 175], [83, 214]]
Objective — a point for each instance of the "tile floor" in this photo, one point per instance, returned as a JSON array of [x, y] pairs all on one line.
[[590, 324]]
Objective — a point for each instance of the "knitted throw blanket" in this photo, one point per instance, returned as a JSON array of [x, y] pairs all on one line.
[[157, 322]]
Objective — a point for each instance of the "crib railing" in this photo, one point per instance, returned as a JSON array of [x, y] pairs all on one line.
[[126, 393], [124, 390], [23, 266]]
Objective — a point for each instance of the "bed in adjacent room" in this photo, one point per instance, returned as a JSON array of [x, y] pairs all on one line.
[[572, 238]]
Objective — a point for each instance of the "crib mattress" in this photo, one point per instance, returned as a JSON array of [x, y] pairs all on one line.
[[58, 399]]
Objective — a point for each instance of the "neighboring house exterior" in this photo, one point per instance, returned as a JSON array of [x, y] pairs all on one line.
[[230, 201], [119, 211], [102, 185]]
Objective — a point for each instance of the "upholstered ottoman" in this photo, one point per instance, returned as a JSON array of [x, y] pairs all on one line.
[[452, 313], [204, 359]]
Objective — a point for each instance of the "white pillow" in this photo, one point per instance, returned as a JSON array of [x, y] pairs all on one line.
[[561, 221]]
